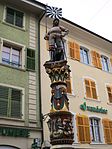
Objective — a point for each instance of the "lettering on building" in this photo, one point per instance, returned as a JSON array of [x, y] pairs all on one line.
[[97, 109], [14, 132]]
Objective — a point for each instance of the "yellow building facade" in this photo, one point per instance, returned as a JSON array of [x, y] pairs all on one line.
[[89, 85]]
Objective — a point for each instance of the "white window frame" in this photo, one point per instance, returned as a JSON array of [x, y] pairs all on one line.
[[84, 48], [103, 56], [22, 52], [4, 17], [100, 128], [84, 89], [23, 98]]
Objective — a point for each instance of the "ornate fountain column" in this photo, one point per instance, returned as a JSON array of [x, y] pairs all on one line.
[[60, 119]]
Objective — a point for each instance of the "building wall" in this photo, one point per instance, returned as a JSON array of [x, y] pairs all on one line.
[[79, 71], [21, 78]]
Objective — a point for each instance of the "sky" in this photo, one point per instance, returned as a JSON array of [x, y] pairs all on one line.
[[94, 15]]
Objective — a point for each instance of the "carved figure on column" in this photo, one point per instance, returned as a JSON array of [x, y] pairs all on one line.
[[55, 39]]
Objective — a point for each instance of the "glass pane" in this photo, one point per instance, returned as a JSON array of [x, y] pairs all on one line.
[[19, 19], [81, 55], [6, 55], [105, 64], [97, 135], [15, 57], [95, 132], [86, 60], [6, 49], [92, 133], [10, 16], [15, 52], [84, 56]]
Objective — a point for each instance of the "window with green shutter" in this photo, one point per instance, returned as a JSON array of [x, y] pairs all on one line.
[[30, 59], [10, 102]]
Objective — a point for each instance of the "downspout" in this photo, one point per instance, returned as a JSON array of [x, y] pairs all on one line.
[[39, 70]]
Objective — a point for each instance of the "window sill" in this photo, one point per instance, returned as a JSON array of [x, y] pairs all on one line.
[[6, 65], [11, 25], [30, 70], [11, 119], [91, 99], [97, 143]]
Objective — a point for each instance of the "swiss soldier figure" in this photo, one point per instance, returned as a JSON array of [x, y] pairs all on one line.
[[55, 38]]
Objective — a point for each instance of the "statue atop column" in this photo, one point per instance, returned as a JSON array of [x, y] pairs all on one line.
[[55, 39], [60, 119]]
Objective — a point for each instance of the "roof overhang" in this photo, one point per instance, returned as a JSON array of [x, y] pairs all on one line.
[[29, 5]]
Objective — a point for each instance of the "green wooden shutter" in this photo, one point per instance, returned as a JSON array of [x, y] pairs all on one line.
[[30, 59], [4, 91], [16, 97]]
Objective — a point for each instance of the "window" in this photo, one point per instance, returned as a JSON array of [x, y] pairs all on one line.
[[109, 91], [83, 128], [10, 102], [11, 55], [107, 126], [74, 50], [96, 59], [30, 59], [84, 55], [68, 82], [95, 130], [105, 64], [14, 17], [90, 87]]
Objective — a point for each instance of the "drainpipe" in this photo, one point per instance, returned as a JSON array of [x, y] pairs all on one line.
[[39, 70]]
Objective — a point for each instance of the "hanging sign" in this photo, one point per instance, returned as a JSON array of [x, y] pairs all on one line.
[[97, 109]]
